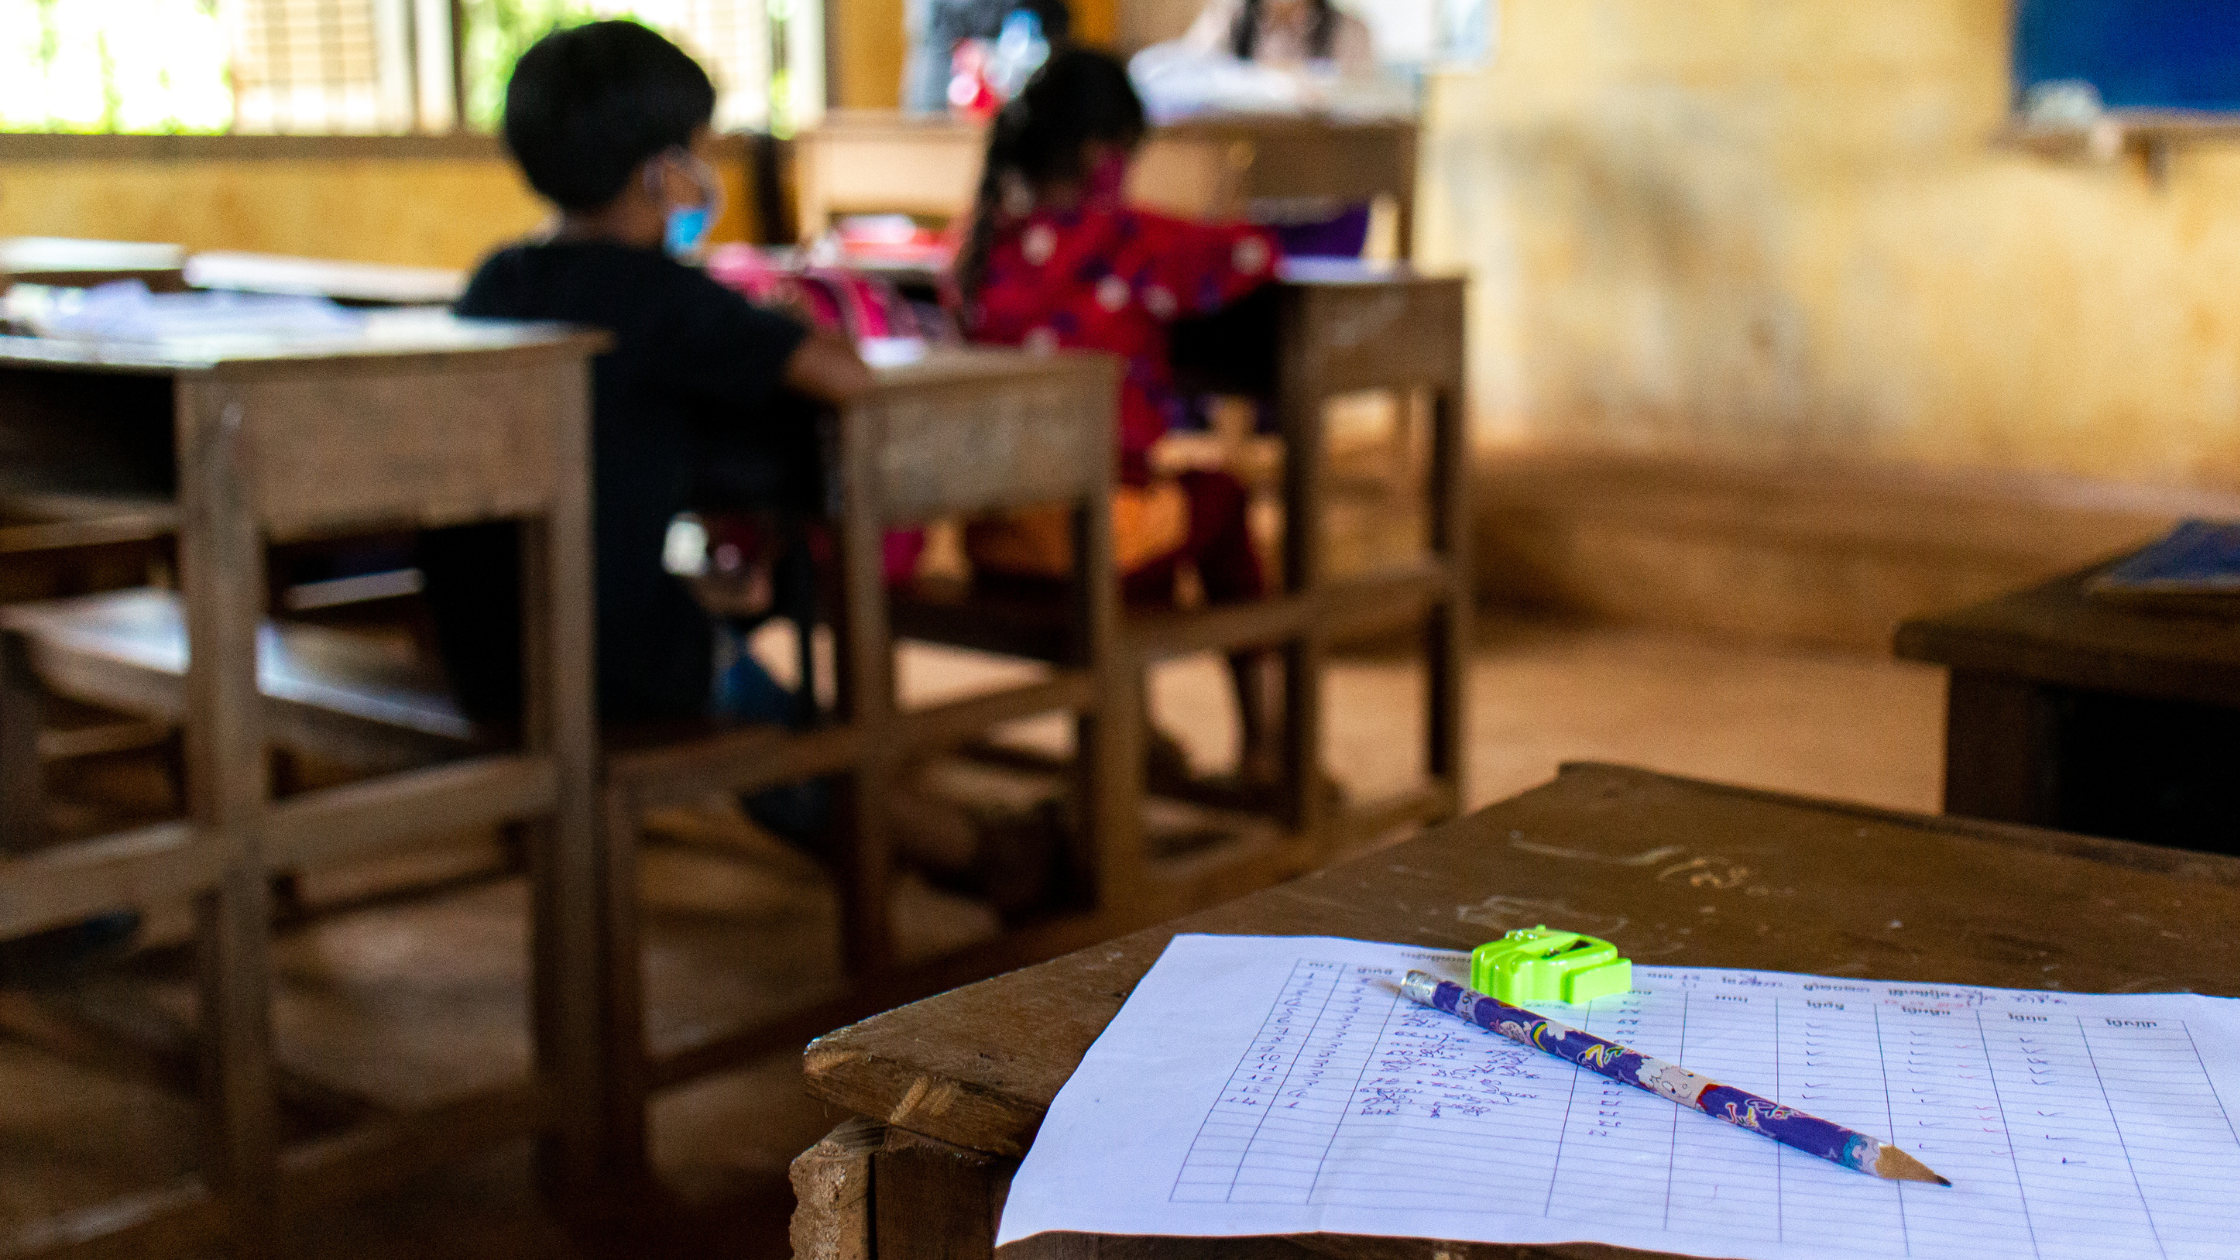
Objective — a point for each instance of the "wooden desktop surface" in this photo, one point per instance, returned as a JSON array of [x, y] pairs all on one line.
[[351, 283], [1678, 872], [70, 262], [2052, 634], [870, 161]]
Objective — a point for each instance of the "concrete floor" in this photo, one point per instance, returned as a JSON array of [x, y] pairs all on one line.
[[422, 1000]]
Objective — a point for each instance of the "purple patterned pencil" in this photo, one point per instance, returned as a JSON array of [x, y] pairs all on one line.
[[1785, 1125]]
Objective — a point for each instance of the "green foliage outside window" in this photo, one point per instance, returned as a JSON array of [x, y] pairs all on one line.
[[113, 65], [497, 33]]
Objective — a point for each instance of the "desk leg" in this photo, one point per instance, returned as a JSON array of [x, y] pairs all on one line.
[[934, 1201], [866, 686], [573, 987], [1108, 858], [1446, 648], [1302, 404], [623, 1063], [832, 1193], [2001, 750], [23, 813], [222, 571]]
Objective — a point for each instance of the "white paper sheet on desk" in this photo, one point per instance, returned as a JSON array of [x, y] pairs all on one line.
[[1280, 1085]]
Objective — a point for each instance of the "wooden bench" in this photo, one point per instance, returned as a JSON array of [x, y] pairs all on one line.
[[336, 693]]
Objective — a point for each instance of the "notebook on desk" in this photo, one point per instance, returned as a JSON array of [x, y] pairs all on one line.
[[2195, 568]]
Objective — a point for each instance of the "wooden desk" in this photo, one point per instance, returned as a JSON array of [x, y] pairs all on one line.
[[959, 431], [416, 422], [867, 161], [1679, 872], [2064, 711], [1328, 329], [71, 263], [350, 283]]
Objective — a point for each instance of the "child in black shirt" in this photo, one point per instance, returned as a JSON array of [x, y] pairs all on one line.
[[700, 387]]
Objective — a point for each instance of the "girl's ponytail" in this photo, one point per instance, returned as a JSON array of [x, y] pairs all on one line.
[[999, 166]]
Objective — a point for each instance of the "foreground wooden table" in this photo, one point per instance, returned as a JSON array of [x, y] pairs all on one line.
[[2068, 712], [408, 423], [1681, 873]]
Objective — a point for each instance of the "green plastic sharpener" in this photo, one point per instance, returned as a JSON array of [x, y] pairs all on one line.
[[1543, 965]]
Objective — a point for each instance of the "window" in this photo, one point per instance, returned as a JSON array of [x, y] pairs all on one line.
[[360, 66], [113, 65], [322, 65], [767, 60]]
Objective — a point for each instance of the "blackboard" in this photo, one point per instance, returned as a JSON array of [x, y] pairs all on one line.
[[2140, 54]]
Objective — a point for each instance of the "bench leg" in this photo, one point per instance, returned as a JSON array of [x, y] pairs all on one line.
[[22, 794], [623, 1017]]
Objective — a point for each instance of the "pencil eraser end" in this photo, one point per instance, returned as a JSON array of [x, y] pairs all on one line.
[[1540, 964]]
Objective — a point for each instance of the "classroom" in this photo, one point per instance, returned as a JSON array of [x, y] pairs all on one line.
[[950, 628]]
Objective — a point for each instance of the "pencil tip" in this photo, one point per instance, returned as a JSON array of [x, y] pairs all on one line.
[[1892, 1164]]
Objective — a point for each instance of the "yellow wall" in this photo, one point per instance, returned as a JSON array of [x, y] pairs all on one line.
[[868, 45], [441, 203], [1779, 228]]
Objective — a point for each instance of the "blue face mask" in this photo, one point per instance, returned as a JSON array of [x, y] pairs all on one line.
[[687, 230]]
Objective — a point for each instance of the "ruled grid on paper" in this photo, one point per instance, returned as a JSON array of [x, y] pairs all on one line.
[[1260, 1085]]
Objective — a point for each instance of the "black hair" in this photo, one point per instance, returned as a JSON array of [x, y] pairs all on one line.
[[1078, 97], [1244, 37], [588, 105], [1056, 17]]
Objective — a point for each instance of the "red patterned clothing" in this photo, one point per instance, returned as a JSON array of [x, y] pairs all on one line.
[[1106, 277]]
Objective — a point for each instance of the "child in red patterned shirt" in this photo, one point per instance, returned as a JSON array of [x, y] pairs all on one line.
[[1057, 259]]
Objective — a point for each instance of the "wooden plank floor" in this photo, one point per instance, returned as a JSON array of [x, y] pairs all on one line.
[[402, 1004]]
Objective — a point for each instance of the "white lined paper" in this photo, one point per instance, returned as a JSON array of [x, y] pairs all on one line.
[[1275, 1085]]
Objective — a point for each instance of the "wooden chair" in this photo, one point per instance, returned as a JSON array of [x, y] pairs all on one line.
[[1324, 332]]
